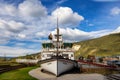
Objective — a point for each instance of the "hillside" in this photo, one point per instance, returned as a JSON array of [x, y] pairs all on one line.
[[30, 56], [104, 46]]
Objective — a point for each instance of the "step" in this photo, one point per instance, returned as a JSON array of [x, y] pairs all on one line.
[[113, 77]]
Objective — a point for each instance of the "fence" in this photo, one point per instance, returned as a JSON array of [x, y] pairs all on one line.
[[6, 68]]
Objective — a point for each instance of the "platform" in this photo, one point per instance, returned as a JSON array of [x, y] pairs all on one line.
[[69, 76]]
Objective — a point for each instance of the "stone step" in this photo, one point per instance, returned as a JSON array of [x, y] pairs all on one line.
[[114, 77]]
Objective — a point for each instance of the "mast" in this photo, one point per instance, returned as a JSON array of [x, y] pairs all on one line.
[[57, 38], [57, 43]]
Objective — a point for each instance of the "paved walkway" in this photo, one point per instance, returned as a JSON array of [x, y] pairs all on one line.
[[43, 76]]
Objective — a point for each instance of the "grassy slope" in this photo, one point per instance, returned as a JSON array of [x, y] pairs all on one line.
[[20, 74], [104, 46], [30, 56]]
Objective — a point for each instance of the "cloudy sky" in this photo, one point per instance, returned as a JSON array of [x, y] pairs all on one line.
[[24, 24]]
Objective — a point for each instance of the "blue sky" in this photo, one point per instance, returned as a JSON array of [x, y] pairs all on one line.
[[24, 24]]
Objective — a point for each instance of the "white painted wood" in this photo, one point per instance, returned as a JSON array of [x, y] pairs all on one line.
[[50, 66], [58, 66], [64, 65]]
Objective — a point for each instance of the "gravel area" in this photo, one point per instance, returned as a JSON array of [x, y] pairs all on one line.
[[43, 76]]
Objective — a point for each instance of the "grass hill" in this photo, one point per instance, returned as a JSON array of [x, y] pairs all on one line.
[[31, 56], [104, 46]]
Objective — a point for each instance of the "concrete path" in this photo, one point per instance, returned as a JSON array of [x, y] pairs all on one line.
[[43, 76]]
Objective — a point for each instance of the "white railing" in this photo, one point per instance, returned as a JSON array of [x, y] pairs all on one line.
[[54, 49]]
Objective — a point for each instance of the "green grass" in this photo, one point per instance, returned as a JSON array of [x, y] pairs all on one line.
[[19, 74], [104, 46]]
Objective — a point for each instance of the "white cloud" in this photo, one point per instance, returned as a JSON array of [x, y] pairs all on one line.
[[66, 16], [31, 29], [9, 30], [78, 35], [28, 10], [21, 36], [32, 8], [15, 26], [42, 34], [4, 41], [116, 30], [36, 31], [7, 9], [115, 11], [61, 1], [14, 51], [100, 33], [12, 25]]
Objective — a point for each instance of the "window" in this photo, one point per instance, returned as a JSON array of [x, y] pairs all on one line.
[[49, 55], [65, 55], [71, 55]]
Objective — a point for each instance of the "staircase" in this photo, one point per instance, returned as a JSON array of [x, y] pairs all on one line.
[[113, 77]]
